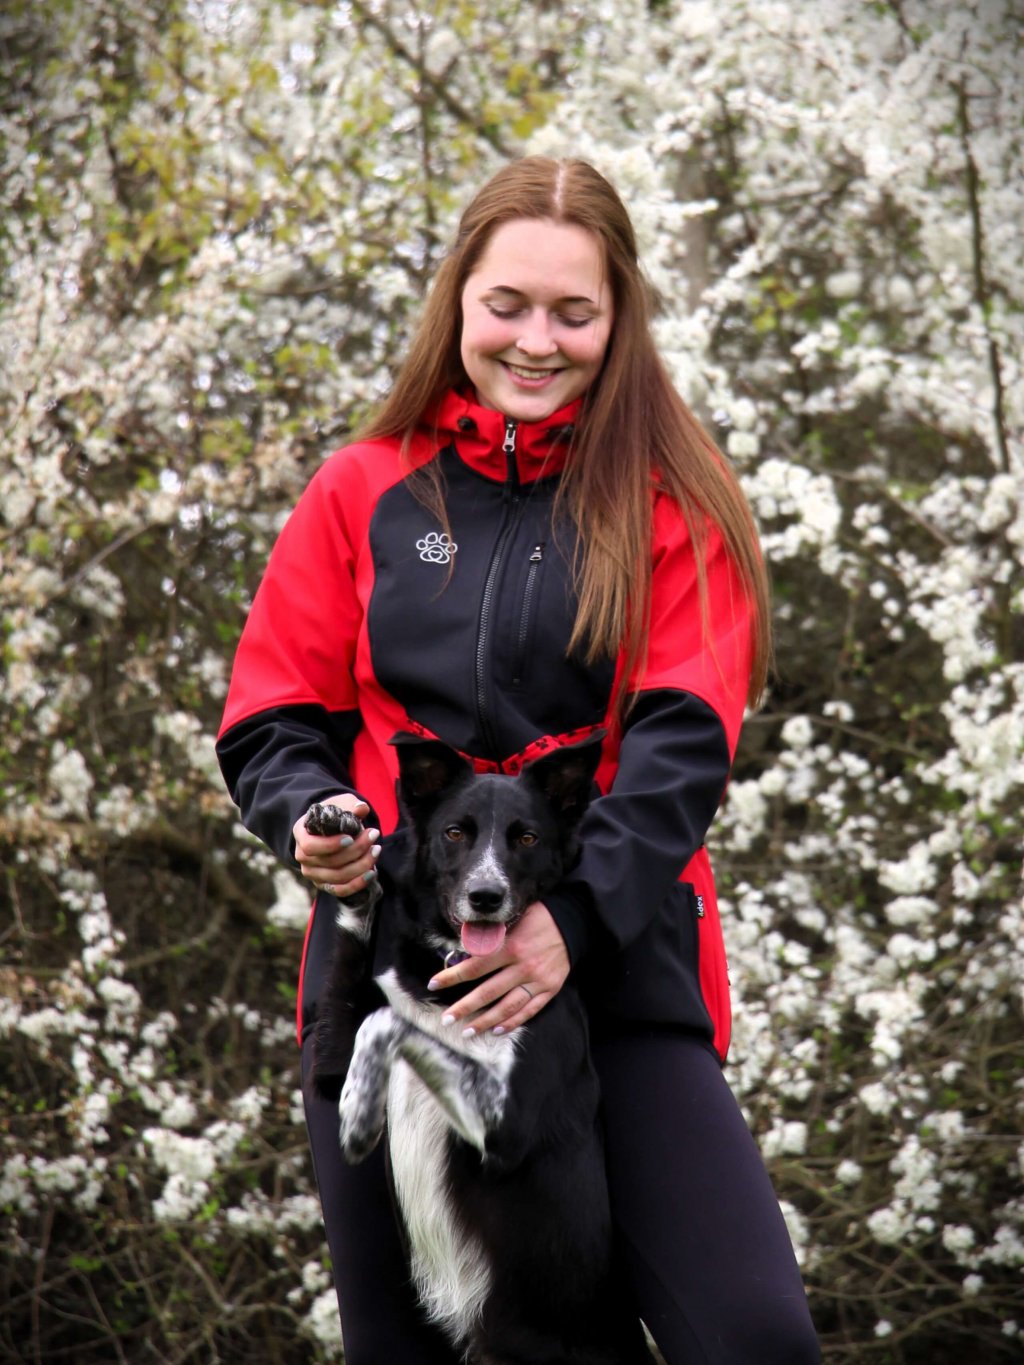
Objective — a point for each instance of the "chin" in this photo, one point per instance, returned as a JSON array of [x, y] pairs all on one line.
[[525, 407], [530, 412]]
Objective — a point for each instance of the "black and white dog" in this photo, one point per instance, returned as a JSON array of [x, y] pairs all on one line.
[[493, 1141]]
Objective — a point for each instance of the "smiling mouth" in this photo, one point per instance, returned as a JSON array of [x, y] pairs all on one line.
[[521, 372]]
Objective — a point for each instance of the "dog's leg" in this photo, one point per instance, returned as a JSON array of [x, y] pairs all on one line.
[[355, 912], [363, 1103], [348, 994], [470, 1093]]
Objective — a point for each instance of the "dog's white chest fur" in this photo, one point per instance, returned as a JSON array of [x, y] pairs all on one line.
[[449, 1264]]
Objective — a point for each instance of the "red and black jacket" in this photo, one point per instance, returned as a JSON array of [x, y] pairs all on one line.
[[371, 619]]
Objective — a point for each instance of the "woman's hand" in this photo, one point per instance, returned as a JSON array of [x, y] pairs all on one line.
[[337, 862], [530, 969]]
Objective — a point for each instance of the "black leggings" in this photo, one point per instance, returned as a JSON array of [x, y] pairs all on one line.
[[705, 1249], [699, 1228]]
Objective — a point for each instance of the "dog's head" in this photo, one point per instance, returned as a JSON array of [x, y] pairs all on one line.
[[490, 845]]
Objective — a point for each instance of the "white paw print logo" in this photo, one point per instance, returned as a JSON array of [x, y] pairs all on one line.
[[436, 548]]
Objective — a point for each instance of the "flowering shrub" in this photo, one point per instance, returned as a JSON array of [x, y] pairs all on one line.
[[215, 222]]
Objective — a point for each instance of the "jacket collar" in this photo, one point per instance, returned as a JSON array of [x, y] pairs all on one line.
[[478, 434]]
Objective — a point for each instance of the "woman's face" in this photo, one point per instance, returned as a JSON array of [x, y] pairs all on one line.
[[536, 317]]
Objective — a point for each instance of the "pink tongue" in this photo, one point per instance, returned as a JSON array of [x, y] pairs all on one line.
[[479, 939]]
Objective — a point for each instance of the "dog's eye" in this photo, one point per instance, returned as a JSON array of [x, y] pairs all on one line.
[[528, 838], [454, 833]]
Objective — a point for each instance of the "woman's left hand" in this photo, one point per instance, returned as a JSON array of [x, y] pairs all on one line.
[[529, 968]]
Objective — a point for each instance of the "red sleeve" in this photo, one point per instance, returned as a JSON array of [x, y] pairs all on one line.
[[299, 641], [709, 655]]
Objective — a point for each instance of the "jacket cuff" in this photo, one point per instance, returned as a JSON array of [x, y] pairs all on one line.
[[572, 910]]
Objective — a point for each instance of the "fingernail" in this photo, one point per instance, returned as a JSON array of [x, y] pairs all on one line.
[[373, 835], [375, 851], [432, 984], [447, 1019], [498, 1030], [469, 1033], [346, 840], [369, 876]]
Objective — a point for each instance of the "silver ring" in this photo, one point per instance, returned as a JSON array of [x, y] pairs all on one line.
[[526, 989]]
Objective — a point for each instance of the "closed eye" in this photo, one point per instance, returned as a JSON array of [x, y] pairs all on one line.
[[566, 319]]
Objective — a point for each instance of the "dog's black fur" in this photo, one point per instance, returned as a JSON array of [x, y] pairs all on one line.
[[494, 1143]]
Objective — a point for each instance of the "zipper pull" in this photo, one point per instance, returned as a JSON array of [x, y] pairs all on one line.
[[510, 492], [538, 553]]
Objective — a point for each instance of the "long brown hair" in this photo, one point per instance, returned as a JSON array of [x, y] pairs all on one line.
[[634, 427]]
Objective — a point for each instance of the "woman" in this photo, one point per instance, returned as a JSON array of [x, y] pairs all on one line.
[[535, 540]]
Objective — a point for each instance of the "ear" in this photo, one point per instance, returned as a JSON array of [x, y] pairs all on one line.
[[565, 776], [426, 769]]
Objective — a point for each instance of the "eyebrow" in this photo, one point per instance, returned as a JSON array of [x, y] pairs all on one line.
[[518, 293]]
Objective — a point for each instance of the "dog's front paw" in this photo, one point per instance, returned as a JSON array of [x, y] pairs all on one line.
[[364, 1096], [359, 1131], [323, 819], [361, 1111]]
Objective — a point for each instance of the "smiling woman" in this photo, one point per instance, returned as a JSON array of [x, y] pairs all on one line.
[[586, 569], [537, 313]]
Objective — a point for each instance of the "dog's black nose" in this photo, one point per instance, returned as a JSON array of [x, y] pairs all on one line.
[[486, 899]]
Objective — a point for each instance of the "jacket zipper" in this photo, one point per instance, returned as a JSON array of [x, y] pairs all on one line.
[[536, 559], [512, 513]]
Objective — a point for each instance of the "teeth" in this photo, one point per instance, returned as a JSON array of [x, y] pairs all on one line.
[[529, 374]]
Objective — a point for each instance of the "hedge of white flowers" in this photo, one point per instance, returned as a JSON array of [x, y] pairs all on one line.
[[217, 219]]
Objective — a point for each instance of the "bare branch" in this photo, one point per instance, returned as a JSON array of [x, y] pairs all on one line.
[[981, 287]]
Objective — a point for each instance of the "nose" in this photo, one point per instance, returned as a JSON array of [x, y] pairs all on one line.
[[536, 339], [487, 898]]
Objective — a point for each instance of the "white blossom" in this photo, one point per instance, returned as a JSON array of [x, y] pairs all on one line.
[[958, 1239], [291, 909], [323, 1323], [71, 781], [889, 1225], [786, 1138]]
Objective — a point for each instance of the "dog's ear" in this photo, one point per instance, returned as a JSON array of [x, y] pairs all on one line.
[[426, 769], [566, 775]]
